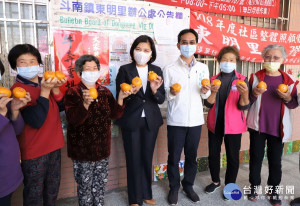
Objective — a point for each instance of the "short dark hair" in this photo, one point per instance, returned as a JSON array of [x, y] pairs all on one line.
[[83, 59], [21, 49], [228, 49], [185, 31], [1, 68], [146, 39]]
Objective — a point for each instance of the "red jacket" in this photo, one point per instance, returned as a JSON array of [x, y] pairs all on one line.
[[36, 142], [234, 118]]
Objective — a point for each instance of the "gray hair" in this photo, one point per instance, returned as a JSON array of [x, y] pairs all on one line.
[[274, 46], [83, 59]]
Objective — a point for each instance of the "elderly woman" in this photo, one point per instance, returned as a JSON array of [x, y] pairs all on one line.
[[226, 117], [89, 134], [141, 119], [269, 119], [11, 124]]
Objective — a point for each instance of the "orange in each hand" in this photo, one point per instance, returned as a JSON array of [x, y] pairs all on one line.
[[6, 91], [205, 82], [283, 88], [93, 93], [136, 81], [176, 87], [217, 82], [238, 82], [59, 75], [262, 85], [125, 87], [152, 76], [49, 74], [19, 92]]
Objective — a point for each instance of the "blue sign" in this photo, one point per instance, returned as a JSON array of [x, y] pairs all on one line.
[[232, 191]]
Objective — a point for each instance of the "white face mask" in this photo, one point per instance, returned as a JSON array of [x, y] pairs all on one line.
[[272, 66], [141, 58], [28, 72], [227, 67], [89, 77]]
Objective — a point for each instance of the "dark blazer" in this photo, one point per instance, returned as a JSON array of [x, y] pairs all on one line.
[[135, 103]]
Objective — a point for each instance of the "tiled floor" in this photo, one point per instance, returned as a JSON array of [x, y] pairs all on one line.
[[290, 177]]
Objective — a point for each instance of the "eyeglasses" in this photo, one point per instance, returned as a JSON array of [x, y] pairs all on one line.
[[269, 58]]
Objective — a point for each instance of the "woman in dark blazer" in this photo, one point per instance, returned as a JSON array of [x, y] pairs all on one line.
[[141, 119]]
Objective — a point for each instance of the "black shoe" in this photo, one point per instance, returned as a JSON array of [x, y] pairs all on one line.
[[212, 187], [190, 193], [173, 197], [295, 202], [275, 200], [253, 195]]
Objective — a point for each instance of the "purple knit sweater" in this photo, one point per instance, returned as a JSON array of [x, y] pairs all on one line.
[[10, 169], [269, 119]]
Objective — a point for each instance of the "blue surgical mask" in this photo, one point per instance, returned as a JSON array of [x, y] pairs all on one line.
[[28, 72], [187, 50], [227, 67]]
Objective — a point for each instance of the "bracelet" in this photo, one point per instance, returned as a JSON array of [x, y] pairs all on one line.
[[287, 101]]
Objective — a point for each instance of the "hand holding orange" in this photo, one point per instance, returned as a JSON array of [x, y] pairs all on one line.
[[283, 88], [5, 91], [125, 87], [19, 92], [176, 87], [49, 74], [217, 82], [152, 76], [136, 81], [262, 85], [93, 93], [59, 75], [205, 82], [238, 82]]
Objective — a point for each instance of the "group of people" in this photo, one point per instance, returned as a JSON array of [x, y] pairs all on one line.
[[35, 121]]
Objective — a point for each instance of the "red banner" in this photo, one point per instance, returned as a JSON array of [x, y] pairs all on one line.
[[255, 8], [214, 33], [70, 45]]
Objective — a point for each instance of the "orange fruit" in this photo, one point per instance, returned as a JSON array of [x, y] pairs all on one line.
[[262, 85], [176, 87], [49, 74], [6, 91], [238, 82], [205, 82], [136, 81], [59, 75], [93, 93], [19, 92], [217, 82], [283, 88], [125, 87], [152, 76]]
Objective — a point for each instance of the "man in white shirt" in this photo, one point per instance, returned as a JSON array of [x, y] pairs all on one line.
[[185, 114]]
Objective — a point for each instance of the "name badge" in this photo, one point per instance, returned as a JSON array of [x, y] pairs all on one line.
[[233, 88]]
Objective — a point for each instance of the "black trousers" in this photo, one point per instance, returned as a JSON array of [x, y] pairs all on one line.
[[5, 201], [179, 138], [274, 154], [139, 147], [232, 146]]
